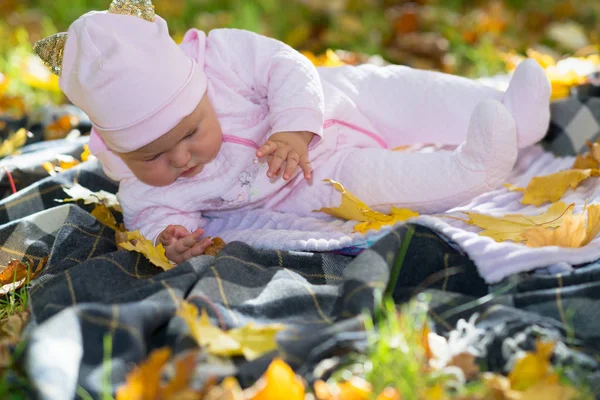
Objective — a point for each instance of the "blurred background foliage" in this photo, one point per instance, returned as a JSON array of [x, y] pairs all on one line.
[[465, 37]]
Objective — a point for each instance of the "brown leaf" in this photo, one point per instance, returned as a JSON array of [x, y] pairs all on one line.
[[216, 247], [466, 362], [16, 274], [61, 127]]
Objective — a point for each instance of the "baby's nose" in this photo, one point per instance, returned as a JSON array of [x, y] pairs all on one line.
[[180, 159]]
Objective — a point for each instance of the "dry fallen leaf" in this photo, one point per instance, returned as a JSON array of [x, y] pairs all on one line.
[[511, 226], [216, 247], [103, 214], [10, 334], [329, 59], [466, 362], [533, 368], [86, 153], [353, 209], [144, 382], [498, 387], [16, 274], [78, 192], [251, 340], [550, 188], [550, 391], [136, 242], [13, 143], [573, 231], [279, 382], [61, 127], [389, 393]]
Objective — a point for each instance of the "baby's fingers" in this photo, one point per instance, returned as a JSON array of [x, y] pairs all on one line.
[[266, 149], [305, 166], [291, 163]]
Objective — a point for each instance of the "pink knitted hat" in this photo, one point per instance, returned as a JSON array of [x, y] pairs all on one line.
[[125, 72]]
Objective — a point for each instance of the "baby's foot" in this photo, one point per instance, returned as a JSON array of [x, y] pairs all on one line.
[[528, 101], [491, 144]]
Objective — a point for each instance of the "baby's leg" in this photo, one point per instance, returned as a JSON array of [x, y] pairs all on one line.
[[424, 182], [409, 106]]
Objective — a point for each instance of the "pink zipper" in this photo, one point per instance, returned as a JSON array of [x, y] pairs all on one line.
[[329, 123], [238, 140], [380, 141]]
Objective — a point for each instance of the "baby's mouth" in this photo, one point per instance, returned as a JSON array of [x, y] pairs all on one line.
[[190, 171]]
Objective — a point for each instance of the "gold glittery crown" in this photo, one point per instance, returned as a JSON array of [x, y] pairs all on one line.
[[51, 49]]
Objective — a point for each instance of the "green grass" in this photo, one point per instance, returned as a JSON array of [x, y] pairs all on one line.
[[13, 380]]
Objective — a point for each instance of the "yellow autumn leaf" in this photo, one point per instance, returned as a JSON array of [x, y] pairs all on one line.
[[85, 155], [550, 391], [13, 143], [279, 382], [251, 340], [573, 231], [103, 214], [155, 254], [66, 162], [353, 209], [512, 226], [533, 368], [586, 162], [329, 59], [550, 188], [354, 389], [143, 382], [389, 393]]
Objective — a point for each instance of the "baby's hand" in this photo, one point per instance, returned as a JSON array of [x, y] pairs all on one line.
[[181, 245], [288, 147]]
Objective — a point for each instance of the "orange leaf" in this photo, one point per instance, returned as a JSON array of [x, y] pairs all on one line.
[[389, 394], [143, 382], [185, 367], [15, 274], [279, 382], [354, 389]]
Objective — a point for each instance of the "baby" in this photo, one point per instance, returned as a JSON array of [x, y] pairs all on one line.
[[235, 121]]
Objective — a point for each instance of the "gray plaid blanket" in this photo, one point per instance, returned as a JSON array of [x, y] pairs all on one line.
[[89, 290]]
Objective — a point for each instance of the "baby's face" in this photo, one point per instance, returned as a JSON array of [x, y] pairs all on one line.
[[180, 153]]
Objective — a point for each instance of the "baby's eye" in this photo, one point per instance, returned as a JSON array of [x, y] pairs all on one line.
[[153, 158], [191, 134]]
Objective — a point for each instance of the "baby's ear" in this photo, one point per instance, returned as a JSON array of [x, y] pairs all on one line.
[[194, 45], [51, 50]]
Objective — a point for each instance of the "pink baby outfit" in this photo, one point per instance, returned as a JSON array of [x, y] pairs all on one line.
[[259, 86]]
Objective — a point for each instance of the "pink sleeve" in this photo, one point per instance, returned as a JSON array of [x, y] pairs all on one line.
[[274, 70]]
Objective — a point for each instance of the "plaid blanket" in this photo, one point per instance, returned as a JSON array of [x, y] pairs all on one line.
[[89, 290]]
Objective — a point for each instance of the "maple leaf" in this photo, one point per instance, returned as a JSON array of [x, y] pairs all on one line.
[[78, 192], [279, 382], [13, 143], [512, 226], [572, 232], [251, 340], [550, 188], [353, 209], [103, 214], [135, 241]]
